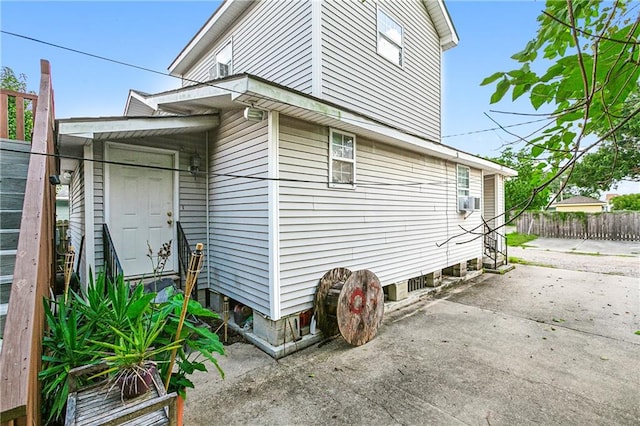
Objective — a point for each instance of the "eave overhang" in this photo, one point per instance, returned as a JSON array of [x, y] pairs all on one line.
[[251, 91]]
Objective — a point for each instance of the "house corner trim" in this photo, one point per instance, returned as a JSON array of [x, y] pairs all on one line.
[[274, 214], [89, 228], [316, 48]]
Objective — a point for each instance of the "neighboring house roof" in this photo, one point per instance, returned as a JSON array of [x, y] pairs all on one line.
[[230, 10], [579, 199], [248, 90]]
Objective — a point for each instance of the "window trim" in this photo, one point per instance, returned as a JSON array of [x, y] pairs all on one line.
[[379, 34], [458, 188], [346, 160], [228, 42]]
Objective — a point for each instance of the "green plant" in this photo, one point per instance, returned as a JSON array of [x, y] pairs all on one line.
[[198, 342], [65, 345], [134, 353]]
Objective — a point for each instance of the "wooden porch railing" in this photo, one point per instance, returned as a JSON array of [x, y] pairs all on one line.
[[8, 97], [20, 359], [112, 266]]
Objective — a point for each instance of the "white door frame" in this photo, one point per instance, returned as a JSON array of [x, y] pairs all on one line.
[[176, 187]]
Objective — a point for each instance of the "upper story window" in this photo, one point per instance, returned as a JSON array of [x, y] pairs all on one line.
[[463, 181], [389, 38], [342, 158], [223, 65]]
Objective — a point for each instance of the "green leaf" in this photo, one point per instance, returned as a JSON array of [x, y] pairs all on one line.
[[501, 89], [536, 150], [493, 77]]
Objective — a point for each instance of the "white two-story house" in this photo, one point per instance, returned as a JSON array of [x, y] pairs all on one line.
[[306, 135]]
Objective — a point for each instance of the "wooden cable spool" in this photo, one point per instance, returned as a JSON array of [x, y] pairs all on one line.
[[350, 303]]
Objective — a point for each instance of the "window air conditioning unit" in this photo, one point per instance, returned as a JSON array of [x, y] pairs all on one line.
[[219, 70], [468, 204]]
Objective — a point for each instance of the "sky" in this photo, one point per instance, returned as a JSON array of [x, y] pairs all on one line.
[[151, 34]]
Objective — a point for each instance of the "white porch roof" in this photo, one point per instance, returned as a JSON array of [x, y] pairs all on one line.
[[248, 90]]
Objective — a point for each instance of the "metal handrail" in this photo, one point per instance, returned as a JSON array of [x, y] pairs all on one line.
[[491, 246], [184, 251], [112, 266]]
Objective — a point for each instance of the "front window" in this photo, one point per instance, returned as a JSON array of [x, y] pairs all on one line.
[[342, 158], [223, 66], [389, 38], [463, 181]]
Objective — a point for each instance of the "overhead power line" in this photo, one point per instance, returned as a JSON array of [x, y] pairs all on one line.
[[208, 83]]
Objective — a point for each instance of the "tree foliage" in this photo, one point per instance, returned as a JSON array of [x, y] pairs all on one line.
[[17, 83], [590, 86], [626, 202], [518, 189]]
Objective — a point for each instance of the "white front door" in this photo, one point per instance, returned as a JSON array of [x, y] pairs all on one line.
[[140, 207]]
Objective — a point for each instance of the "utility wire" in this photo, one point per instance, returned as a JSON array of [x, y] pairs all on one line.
[[260, 178], [181, 78]]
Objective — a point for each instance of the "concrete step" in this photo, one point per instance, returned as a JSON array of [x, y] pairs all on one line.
[[502, 269], [11, 200], [10, 219], [9, 239]]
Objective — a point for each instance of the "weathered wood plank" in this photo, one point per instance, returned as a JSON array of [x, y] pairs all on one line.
[[614, 226], [33, 274]]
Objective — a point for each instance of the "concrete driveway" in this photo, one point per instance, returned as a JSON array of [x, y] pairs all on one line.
[[537, 345]]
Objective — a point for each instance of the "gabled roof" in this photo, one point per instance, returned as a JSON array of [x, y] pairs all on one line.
[[230, 10], [242, 90], [579, 199]]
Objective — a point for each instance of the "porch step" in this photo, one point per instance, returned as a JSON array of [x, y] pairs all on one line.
[[502, 269], [488, 263]]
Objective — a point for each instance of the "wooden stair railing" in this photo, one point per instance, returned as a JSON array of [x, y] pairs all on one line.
[[19, 129], [20, 358]]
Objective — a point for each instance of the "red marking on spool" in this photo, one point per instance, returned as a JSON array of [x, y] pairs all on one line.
[[352, 306]]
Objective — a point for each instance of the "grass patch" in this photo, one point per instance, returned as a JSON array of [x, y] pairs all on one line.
[[520, 261], [515, 239]]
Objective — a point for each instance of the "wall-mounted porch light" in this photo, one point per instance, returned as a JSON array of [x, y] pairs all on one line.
[[194, 164], [254, 114]]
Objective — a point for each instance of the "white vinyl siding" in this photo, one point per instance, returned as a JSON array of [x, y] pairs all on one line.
[[355, 76], [489, 198], [192, 192], [391, 230], [76, 217], [239, 211], [272, 40]]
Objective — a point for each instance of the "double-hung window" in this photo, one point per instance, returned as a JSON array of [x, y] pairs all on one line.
[[390, 35], [463, 181], [342, 158], [223, 65]]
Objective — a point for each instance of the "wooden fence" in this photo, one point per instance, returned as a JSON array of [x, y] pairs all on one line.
[[615, 226], [20, 359]]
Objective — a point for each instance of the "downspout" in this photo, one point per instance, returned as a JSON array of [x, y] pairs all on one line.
[[206, 167]]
